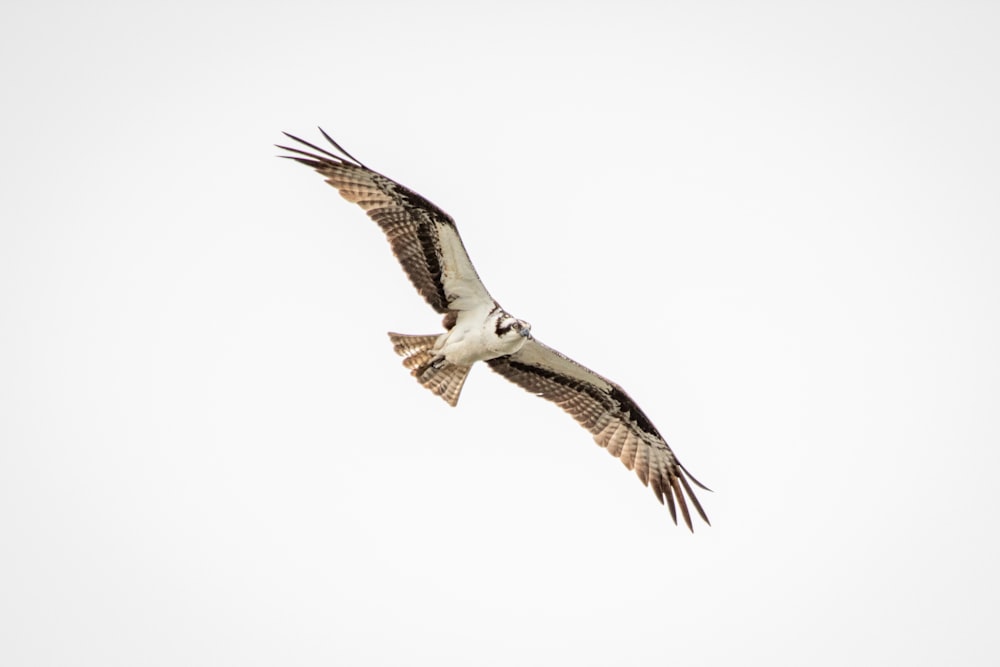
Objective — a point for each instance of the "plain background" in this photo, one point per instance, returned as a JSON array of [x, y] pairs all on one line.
[[775, 224]]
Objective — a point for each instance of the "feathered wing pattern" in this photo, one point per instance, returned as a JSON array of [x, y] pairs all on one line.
[[427, 244], [615, 421], [423, 237]]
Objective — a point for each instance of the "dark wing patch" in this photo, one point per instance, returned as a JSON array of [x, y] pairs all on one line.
[[614, 419], [410, 222]]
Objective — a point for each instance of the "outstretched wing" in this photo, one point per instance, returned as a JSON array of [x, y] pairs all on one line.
[[604, 409], [423, 237]]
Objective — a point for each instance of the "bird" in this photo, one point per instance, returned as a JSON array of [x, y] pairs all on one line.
[[427, 244]]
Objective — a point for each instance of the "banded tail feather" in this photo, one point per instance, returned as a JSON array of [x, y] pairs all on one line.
[[442, 377]]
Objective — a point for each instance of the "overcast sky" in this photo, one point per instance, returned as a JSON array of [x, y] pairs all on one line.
[[776, 225]]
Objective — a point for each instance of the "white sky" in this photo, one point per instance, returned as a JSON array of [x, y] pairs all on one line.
[[775, 225]]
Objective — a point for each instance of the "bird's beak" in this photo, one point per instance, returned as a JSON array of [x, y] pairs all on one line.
[[526, 333]]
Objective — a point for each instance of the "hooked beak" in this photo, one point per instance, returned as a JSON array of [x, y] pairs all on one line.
[[526, 333]]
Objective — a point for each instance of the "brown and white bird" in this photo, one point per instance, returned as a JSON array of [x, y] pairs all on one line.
[[426, 242]]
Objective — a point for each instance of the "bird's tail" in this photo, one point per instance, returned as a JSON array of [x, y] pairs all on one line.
[[442, 378]]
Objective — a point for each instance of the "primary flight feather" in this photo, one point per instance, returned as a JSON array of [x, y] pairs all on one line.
[[426, 242]]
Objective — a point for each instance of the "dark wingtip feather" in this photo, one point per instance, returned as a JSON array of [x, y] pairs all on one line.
[[654, 482], [692, 478], [315, 159], [694, 499], [340, 148], [316, 148], [680, 501], [315, 164], [670, 505]]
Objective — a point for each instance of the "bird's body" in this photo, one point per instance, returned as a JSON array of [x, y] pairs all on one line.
[[480, 335], [426, 242]]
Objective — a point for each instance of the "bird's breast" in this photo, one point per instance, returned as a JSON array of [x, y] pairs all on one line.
[[475, 339]]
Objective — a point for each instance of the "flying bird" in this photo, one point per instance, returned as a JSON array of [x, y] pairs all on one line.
[[425, 240]]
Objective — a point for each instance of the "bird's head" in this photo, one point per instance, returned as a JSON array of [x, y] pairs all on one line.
[[509, 328]]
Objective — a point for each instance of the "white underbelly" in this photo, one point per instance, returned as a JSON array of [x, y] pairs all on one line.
[[473, 339], [465, 347]]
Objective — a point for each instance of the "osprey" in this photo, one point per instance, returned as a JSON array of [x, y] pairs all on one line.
[[426, 242]]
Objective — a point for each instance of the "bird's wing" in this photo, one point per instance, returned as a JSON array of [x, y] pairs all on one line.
[[604, 409], [423, 237]]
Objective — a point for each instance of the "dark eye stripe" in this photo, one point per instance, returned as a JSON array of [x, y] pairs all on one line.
[[505, 324]]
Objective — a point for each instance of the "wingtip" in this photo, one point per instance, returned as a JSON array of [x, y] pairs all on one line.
[[669, 496], [692, 478], [339, 147], [694, 500]]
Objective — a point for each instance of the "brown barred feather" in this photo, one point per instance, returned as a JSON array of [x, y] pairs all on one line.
[[409, 221], [613, 419]]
